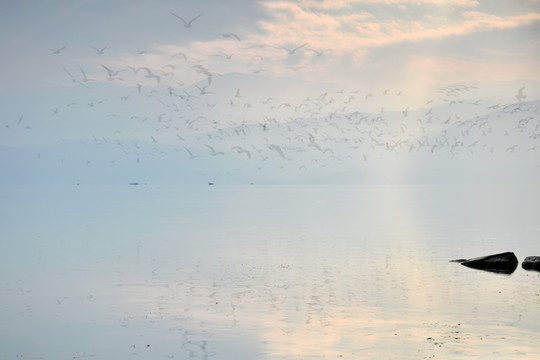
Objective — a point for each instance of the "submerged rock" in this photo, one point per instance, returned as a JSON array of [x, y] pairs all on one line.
[[504, 263], [531, 263]]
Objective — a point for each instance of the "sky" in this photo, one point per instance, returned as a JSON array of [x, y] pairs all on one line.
[[239, 62], [397, 42]]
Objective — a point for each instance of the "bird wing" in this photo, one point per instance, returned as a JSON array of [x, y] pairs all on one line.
[[82, 71], [195, 18], [109, 71], [189, 152], [178, 16], [301, 46]]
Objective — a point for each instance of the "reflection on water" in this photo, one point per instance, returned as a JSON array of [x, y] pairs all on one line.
[[266, 272]]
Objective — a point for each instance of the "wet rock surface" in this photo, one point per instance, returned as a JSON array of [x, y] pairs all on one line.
[[531, 263], [504, 263]]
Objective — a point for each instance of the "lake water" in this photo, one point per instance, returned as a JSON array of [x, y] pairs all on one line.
[[266, 272]]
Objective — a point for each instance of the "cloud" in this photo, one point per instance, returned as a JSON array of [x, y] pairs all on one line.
[[487, 21], [297, 23], [395, 29], [398, 31], [342, 4]]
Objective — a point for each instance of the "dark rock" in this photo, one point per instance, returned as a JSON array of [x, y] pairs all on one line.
[[504, 263], [531, 263]]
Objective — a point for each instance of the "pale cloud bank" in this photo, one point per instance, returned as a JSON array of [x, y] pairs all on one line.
[[341, 4], [295, 23]]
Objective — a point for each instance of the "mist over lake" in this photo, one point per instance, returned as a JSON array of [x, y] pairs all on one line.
[[265, 272]]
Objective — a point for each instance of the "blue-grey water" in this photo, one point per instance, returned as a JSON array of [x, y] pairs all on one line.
[[266, 272]]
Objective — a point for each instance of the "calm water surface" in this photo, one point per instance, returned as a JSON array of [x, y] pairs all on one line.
[[266, 272]]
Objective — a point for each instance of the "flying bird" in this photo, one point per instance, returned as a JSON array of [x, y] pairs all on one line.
[[187, 24], [277, 149], [241, 150], [180, 54], [230, 35], [521, 96], [214, 152], [58, 51], [292, 51], [405, 112], [150, 74], [191, 156], [112, 74], [99, 51], [202, 70], [225, 56], [84, 78], [202, 90], [73, 79], [318, 52]]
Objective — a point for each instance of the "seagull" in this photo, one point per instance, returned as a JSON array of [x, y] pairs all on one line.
[[521, 96], [214, 152], [260, 46], [58, 51], [99, 51], [241, 150], [85, 78], [511, 148], [318, 52], [187, 24], [226, 56], [191, 156], [229, 35], [180, 54], [112, 73], [292, 51], [202, 70], [257, 57], [202, 90], [150, 74], [74, 79], [277, 149]]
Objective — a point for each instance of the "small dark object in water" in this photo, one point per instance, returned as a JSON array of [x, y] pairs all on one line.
[[210, 183], [134, 183], [531, 263], [504, 263]]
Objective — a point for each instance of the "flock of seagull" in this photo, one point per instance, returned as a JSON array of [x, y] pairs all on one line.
[[160, 116]]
